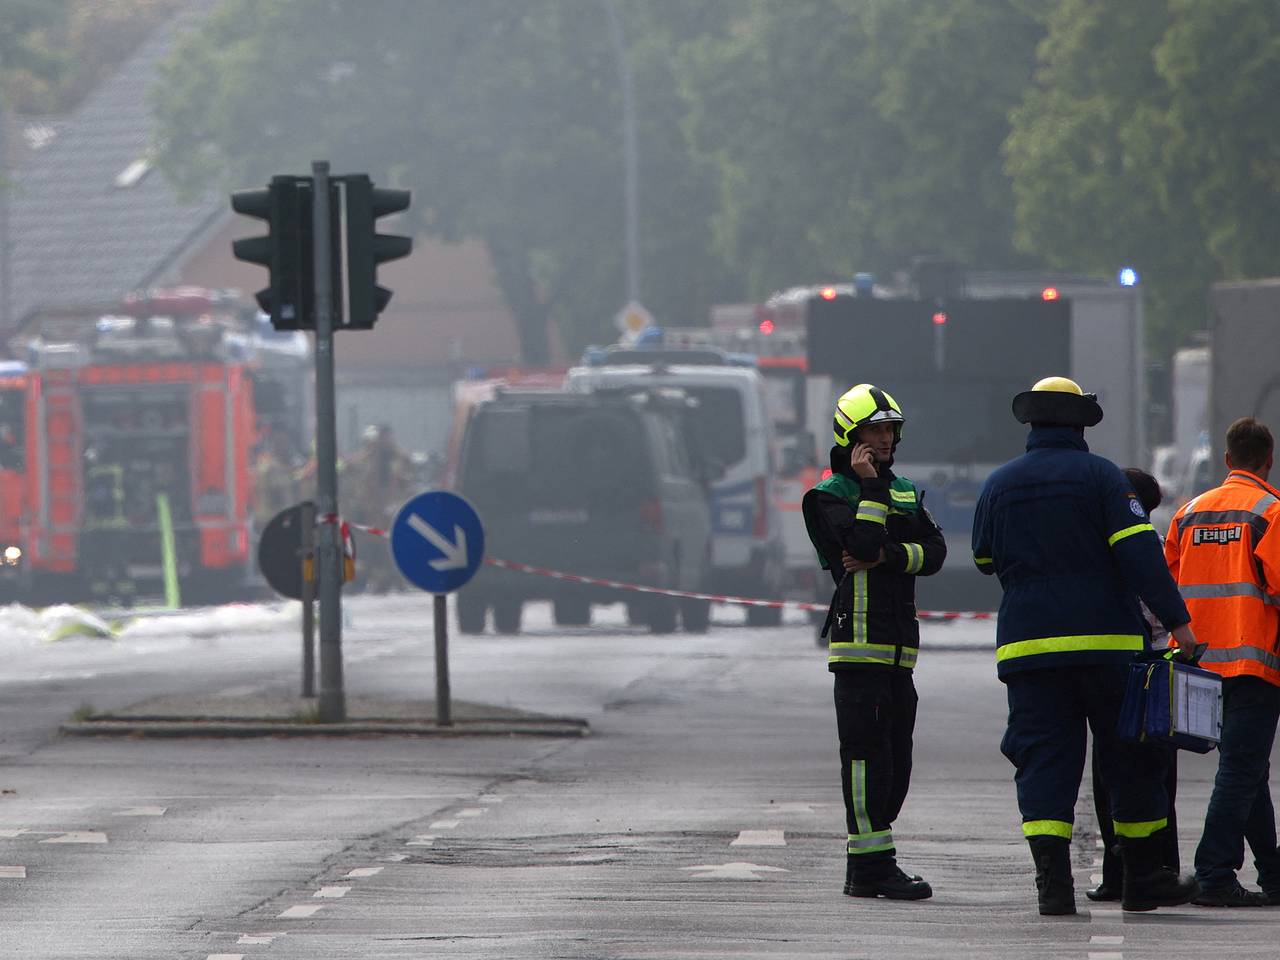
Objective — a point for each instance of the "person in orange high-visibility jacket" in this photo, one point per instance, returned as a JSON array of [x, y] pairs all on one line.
[[1223, 549]]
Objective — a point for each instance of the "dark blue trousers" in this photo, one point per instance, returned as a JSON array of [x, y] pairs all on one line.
[[1240, 807], [1050, 713]]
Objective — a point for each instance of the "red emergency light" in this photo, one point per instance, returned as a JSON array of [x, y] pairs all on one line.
[[828, 293], [766, 327], [1049, 293], [939, 318]]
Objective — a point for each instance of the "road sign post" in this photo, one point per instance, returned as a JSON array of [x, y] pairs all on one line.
[[437, 542]]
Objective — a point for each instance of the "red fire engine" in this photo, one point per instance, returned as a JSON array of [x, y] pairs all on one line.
[[139, 430]]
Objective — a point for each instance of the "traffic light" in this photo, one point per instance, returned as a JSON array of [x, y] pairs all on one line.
[[366, 248], [287, 249]]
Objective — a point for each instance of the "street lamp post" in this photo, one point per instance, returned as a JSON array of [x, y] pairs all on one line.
[[631, 179]]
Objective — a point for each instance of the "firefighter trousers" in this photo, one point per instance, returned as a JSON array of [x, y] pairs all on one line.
[[1050, 713], [875, 717]]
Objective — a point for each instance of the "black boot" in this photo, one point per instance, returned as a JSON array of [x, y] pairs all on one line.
[[1054, 885], [1147, 882], [1112, 878], [882, 879]]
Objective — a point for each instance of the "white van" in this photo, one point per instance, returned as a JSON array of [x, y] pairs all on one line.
[[731, 428]]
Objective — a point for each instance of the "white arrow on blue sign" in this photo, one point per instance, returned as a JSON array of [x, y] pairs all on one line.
[[437, 541]]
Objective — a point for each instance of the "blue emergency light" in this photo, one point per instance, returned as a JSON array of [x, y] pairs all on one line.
[[1128, 277]]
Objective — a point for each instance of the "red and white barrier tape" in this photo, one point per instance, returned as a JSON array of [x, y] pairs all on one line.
[[683, 594], [716, 598]]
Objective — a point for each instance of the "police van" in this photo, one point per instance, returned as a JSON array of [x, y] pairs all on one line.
[[731, 429]]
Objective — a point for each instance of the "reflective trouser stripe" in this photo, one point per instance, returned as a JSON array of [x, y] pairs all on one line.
[[858, 791], [859, 625], [915, 557], [1129, 532], [1046, 828], [870, 510], [981, 562], [1139, 830], [1103, 641], [875, 842]]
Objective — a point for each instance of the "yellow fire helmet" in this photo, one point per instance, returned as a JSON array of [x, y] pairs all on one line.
[[863, 404], [1057, 402]]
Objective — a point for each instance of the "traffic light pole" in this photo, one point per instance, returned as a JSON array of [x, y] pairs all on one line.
[[332, 703]]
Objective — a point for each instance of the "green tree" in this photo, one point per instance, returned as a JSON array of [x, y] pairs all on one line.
[[1100, 171], [53, 52], [503, 118], [854, 134], [1221, 64]]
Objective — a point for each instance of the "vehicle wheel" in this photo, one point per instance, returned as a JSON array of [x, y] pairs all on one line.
[[571, 612], [661, 617], [506, 616], [764, 616], [471, 611], [695, 615]]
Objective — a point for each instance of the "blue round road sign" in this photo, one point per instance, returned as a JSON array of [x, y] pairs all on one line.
[[437, 541]]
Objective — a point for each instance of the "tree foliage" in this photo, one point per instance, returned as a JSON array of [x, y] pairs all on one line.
[[53, 52], [1146, 140], [503, 118], [854, 134]]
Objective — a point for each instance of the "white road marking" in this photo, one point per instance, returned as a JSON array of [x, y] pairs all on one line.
[[443, 825], [472, 812], [1097, 862], [738, 870], [359, 872], [396, 857], [759, 838], [1100, 843], [422, 840], [488, 800], [142, 812], [301, 912], [1105, 955], [1106, 941], [792, 807], [13, 873], [332, 893], [226, 956], [10, 834], [78, 836], [258, 938], [1095, 878]]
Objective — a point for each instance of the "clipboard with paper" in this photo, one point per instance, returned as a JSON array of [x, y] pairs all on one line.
[[1173, 702]]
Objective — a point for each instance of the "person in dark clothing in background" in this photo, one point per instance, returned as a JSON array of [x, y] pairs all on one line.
[[873, 534], [1150, 496]]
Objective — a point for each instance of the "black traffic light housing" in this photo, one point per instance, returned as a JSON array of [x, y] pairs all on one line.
[[286, 251], [366, 248]]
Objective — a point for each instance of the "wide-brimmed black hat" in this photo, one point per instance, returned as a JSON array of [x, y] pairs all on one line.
[[1059, 402]]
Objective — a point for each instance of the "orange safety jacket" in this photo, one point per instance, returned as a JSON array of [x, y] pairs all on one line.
[[1223, 549]]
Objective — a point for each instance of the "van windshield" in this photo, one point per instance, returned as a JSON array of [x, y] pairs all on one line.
[[560, 455], [717, 425]]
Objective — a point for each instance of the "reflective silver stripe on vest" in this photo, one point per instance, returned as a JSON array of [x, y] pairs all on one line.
[[1214, 591], [1236, 654]]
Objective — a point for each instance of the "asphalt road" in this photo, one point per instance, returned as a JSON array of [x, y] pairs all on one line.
[[702, 817]]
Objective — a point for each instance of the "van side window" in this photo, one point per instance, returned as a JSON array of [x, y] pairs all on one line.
[[719, 424]]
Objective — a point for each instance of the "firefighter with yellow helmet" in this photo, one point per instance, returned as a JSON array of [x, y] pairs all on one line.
[[1074, 550], [872, 532]]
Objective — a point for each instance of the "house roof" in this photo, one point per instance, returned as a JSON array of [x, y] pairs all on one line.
[[89, 220]]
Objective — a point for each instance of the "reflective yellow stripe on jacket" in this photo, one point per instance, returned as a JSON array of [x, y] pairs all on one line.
[[1041, 645]]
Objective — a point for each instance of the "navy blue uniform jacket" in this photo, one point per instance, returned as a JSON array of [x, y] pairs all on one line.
[[1074, 550]]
